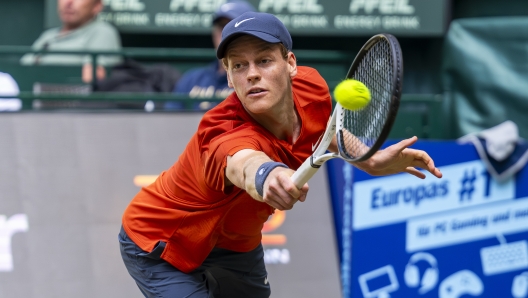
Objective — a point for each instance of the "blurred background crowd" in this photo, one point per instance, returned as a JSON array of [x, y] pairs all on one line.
[[166, 49]]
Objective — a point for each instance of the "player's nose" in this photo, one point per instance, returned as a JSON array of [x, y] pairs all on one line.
[[253, 73]]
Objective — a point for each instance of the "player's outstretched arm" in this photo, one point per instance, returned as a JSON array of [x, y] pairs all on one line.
[[399, 158], [278, 190]]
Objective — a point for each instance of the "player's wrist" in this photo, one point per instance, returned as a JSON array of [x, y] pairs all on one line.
[[263, 172]]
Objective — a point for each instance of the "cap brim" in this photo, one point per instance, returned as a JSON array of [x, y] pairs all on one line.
[[221, 51]]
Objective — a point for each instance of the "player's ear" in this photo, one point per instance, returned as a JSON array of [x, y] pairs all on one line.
[[225, 64], [292, 64], [229, 83]]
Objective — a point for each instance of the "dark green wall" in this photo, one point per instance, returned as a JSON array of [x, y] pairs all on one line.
[[422, 55], [489, 8], [21, 21]]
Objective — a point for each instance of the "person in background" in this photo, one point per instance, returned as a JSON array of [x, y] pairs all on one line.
[[80, 31], [211, 81], [8, 87]]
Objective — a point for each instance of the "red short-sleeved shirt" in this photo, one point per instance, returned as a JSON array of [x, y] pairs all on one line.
[[188, 206]]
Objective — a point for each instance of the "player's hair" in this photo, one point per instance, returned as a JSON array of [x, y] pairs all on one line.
[[283, 49]]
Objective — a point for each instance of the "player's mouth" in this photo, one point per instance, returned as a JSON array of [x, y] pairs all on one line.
[[256, 91]]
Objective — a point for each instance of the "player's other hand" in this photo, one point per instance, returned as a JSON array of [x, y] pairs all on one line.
[[399, 158], [279, 190]]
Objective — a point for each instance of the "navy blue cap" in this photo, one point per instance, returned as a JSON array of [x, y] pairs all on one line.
[[261, 25], [231, 10]]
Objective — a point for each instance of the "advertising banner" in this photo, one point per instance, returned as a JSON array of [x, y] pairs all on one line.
[[66, 178], [308, 17], [462, 235]]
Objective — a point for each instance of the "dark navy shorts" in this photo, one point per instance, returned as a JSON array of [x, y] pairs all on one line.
[[224, 274]]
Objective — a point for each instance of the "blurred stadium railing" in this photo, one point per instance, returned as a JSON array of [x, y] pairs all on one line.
[[60, 88]]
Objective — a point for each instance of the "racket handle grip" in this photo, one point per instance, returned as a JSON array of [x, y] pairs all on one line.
[[304, 173]]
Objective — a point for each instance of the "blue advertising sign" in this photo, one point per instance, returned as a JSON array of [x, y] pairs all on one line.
[[462, 235]]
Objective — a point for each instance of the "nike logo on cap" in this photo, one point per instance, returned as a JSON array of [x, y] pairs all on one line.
[[238, 23]]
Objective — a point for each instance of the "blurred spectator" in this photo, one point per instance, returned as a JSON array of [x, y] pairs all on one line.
[[8, 87], [211, 81], [80, 31]]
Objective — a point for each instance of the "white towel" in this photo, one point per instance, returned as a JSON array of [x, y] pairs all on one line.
[[500, 148]]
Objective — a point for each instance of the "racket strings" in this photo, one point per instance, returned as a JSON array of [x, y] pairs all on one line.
[[361, 129]]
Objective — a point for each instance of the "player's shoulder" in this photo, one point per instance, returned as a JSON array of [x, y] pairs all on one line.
[[306, 72], [228, 123], [228, 114], [223, 116], [308, 77], [308, 85]]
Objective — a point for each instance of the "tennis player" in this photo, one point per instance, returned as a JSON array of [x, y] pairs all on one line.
[[196, 231]]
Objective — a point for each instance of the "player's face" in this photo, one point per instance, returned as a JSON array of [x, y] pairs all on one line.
[[75, 13], [260, 74]]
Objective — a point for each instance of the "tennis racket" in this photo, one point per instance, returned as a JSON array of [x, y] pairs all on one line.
[[378, 65]]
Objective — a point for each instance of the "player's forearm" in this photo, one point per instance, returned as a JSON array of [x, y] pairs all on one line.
[[242, 168]]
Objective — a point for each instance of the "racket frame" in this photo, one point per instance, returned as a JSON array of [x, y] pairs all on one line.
[[310, 166], [397, 80], [316, 160]]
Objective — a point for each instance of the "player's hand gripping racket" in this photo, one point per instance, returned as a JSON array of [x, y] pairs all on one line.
[[360, 133]]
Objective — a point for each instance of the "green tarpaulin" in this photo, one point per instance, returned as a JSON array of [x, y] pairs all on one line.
[[485, 74]]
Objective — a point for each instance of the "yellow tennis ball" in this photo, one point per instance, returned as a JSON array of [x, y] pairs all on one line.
[[352, 94]]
